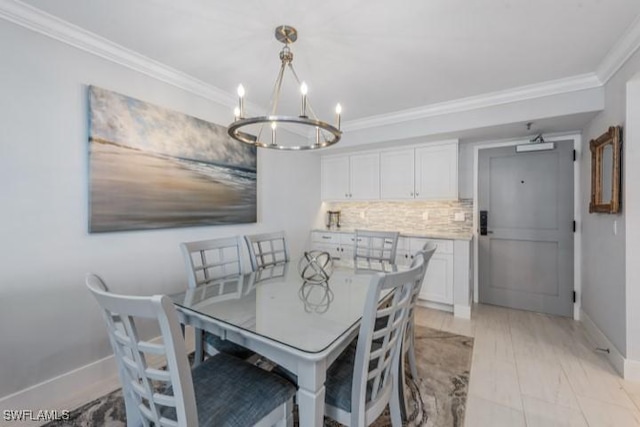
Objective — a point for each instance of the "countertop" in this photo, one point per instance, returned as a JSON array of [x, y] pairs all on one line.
[[409, 233]]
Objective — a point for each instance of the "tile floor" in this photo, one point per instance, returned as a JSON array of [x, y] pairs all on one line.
[[536, 370]]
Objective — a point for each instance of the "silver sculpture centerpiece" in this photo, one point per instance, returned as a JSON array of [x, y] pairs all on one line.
[[315, 266]]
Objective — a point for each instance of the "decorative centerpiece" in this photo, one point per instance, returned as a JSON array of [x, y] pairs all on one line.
[[317, 297], [315, 266]]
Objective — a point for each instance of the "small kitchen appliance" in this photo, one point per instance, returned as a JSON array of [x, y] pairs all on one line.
[[333, 219]]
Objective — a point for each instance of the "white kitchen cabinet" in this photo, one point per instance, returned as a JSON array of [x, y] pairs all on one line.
[[364, 176], [335, 178], [438, 282], [351, 177], [425, 173], [448, 282], [436, 172], [338, 245], [397, 174]]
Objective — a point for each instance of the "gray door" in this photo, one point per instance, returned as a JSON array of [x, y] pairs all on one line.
[[526, 257]]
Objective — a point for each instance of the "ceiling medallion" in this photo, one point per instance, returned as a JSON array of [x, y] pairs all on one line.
[[322, 134]]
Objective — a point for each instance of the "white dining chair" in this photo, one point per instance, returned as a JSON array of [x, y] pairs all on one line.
[[267, 249], [222, 391], [209, 261], [364, 379], [379, 246], [408, 348]]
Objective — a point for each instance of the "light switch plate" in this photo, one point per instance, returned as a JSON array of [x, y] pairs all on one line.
[[458, 217]]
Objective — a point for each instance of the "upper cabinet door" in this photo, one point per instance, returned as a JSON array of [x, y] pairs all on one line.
[[437, 172], [365, 176], [335, 178], [397, 174]]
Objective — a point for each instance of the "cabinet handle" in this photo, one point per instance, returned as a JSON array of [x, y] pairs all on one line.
[[412, 194], [326, 237], [417, 194], [346, 194], [350, 195], [406, 255]]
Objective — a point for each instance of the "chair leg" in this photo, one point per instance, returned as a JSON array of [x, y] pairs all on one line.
[[199, 352], [412, 358], [395, 405], [287, 416], [404, 405]]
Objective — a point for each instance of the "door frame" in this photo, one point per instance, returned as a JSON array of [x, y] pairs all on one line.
[[577, 236]]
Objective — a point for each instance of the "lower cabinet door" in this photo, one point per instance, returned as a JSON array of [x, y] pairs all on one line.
[[333, 249], [438, 282]]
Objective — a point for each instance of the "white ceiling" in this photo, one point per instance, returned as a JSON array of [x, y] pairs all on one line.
[[373, 56]]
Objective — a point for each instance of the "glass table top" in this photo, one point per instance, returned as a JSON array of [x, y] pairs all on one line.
[[276, 303]]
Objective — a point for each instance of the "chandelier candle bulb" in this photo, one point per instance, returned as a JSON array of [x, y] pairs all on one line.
[[338, 111], [303, 90], [317, 135], [240, 101], [236, 113]]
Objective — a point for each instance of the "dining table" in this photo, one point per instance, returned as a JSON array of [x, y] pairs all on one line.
[[300, 325]]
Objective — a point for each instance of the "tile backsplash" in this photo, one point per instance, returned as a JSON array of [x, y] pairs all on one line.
[[428, 216]]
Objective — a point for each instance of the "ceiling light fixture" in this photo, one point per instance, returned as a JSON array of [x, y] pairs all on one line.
[[325, 133]]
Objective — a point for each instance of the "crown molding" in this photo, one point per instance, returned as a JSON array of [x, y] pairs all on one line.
[[51, 26], [522, 93], [621, 51]]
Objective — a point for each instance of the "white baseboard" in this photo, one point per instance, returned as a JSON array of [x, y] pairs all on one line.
[[632, 370], [436, 305], [66, 391], [77, 387], [462, 311], [616, 358]]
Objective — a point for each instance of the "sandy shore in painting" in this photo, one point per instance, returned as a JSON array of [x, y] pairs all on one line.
[[132, 190]]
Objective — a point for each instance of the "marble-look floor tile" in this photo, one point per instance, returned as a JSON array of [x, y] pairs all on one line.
[[603, 414], [591, 380], [485, 413], [545, 380], [495, 380], [539, 413], [493, 343]]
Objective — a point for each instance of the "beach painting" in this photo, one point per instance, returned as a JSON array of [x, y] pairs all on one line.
[[150, 168]]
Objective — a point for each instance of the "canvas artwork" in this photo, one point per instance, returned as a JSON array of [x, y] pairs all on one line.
[[151, 167]]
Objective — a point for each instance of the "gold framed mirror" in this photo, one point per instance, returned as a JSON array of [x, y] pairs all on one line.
[[605, 171]]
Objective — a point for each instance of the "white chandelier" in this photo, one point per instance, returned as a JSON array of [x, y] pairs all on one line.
[[325, 133]]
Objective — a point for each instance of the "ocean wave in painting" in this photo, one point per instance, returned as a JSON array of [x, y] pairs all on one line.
[[133, 190]]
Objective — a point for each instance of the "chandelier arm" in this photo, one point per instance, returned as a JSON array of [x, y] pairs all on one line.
[[276, 91], [275, 97]]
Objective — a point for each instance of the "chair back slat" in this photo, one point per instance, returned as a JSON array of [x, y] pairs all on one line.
[[380, 337], [210, 260], [379, 246], [144, 385], [267, 249], [424, 256]]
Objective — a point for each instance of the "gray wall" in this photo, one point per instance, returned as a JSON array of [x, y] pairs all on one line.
[[603, 252], [49, 324]]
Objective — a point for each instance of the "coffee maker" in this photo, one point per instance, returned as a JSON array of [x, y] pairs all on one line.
[[333, 219]]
